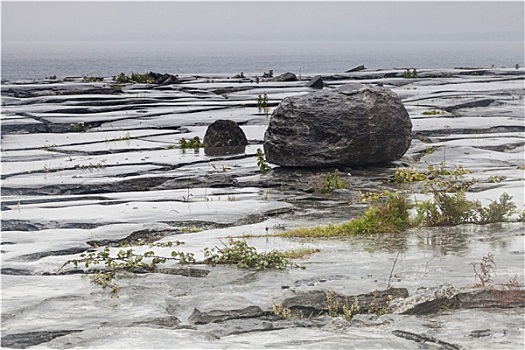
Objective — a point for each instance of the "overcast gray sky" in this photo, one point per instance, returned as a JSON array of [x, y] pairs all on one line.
[[249, 20]]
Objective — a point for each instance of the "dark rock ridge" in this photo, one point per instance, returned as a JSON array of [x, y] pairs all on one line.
[[224, 137], [353, 125]]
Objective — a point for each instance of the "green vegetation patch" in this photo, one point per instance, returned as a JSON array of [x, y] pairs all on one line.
[[391, 214]]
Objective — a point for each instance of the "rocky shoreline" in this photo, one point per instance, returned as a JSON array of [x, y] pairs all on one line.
[[87, 164]]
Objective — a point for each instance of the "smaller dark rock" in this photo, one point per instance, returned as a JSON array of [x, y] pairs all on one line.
[[480, 333], [159, 322], [286, 77], [199, 317], [316, 83], [225, 134]]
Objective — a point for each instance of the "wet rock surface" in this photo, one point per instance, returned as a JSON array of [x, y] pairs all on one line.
[[85, 166]]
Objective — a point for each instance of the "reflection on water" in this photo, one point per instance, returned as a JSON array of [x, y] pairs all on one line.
[[222, 151], [456, 240]]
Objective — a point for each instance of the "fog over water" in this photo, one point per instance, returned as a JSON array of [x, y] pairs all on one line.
[[34, 60]]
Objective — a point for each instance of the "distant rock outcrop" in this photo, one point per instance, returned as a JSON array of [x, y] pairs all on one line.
[[163, 79], [356, 69], [353, 125], [224, 137], [286, 77], [316, 83]]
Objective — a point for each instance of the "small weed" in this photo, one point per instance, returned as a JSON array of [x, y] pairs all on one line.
[[231, 198], [262, 104], [410, 74], [79, 127], [496, 178], [190, 229], [349, 311], [369, 197], [331, 182], [46, 147], [133, 78], [126, 137], [455, 113], [412, 175], [116, 87], [261, 162], [510, 292], [487, 267], [434, 112], [332, 304], [280, 310], [91, 166], [170, 146], [193, 143], [430, 150], [300, 253]]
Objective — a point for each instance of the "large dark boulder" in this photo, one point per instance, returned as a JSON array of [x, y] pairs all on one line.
[[353, 125], [224, 137]]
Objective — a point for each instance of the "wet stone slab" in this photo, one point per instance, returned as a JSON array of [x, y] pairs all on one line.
[[85, 166]]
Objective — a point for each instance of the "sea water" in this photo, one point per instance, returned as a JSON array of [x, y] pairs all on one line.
[[36, 60]]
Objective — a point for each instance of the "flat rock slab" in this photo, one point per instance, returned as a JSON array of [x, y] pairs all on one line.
[[125, 178]]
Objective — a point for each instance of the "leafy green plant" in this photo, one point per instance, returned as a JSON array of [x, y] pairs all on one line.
[[261, 162], [391, 213], [332, 182], [495, 211], [410, 74], [194, 143], [108, 265], [446, 210], [454, 209], [388, 214], [244, 256]]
